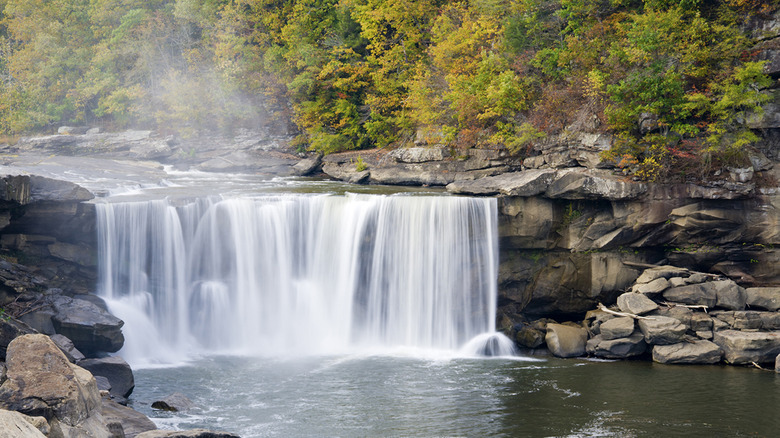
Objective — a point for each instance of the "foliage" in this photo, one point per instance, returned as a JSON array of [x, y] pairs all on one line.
[[352, 74]]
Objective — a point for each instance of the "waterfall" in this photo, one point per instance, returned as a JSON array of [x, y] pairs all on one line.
[[298, 274]]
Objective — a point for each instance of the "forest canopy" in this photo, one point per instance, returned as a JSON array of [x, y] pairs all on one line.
[[351, 74]]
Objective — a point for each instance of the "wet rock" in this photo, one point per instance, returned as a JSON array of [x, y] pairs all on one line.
[[777, 364], [621, 348], [175, 402], [91, 328], [741, 347], [67, 348], [617, 328], [130, 421], [116, 370], [728, 295], [41, 382], [79, 254], [694, 294], [565, 340], [694, 352], [767, 298], [662, 330], [40, 320], [194, 433], [346, 172], [636, 303], [17, 425]]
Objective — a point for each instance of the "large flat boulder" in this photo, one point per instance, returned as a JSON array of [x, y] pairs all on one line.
[[767, 298], [621, 348], [694, 352], [746, 347], [91, 328], [636, 303], [42, 382], [693, 294], [662, 330], [617, 328]]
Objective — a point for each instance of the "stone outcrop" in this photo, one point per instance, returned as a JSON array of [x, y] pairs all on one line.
[[42, 382]]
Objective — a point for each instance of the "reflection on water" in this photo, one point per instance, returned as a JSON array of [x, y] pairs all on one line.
[[401, 396]]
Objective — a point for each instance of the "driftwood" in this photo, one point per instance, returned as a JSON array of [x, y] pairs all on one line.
[[687, 306], [630, 315]]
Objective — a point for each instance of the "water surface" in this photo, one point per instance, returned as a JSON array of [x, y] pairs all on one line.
[[353, 396]]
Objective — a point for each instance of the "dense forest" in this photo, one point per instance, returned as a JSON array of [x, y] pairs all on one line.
[[352, 74]]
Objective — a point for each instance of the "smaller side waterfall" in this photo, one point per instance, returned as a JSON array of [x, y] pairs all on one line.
[[298, 274]]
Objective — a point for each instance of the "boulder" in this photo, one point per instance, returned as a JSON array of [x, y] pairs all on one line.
[[67, 347], [728, 295], [42, 382], [175, 402], [694, 352], [528, 336], [652, 288], [129, 420], [566, 341], [194, 433], [91, 328], [620, 348], [679, 313], [636, 303], [767, 298], [617, 328], [694, 294], [662, 330], [740, 320], [11, 329], [17, 425], [307, 165], [116, 370], [746, 347], [777, 364], [72, 130]]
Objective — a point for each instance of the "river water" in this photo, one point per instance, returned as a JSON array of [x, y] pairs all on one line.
[[353, 396]]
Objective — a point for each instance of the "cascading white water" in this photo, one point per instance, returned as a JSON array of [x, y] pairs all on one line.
[[298, 274]]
